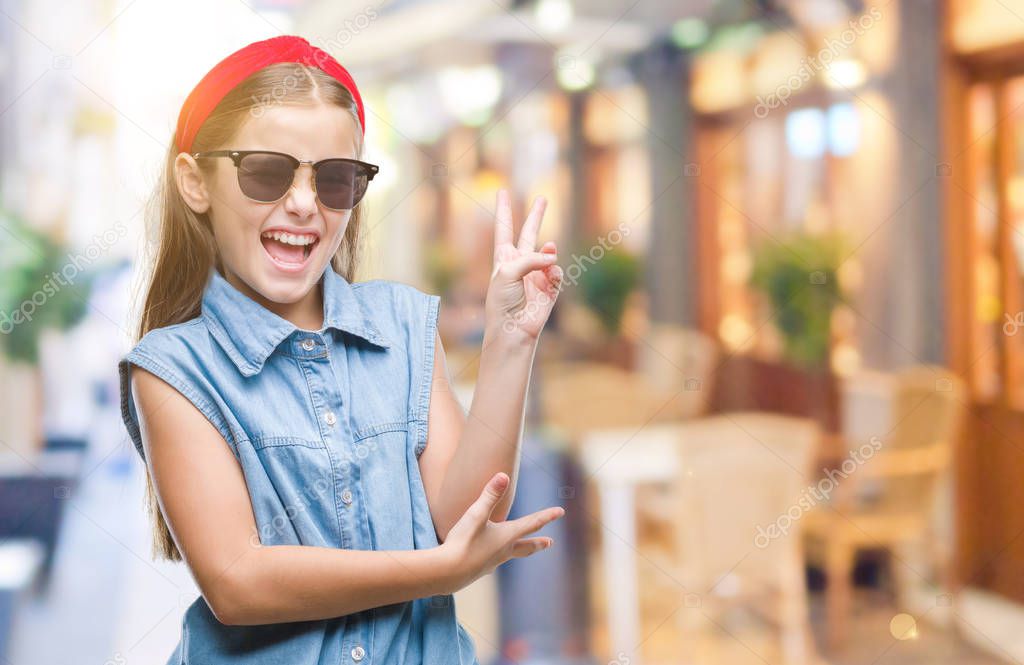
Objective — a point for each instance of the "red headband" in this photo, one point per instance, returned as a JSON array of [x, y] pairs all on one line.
[[233, 69]]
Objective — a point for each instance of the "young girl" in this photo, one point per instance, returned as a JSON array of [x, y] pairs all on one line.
[[305, 454]]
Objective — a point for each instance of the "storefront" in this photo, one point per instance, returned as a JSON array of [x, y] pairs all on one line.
[[796, 153], [984, 169]]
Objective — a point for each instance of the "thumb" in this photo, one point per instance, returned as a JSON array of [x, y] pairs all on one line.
[[492, 493], [517, 268]]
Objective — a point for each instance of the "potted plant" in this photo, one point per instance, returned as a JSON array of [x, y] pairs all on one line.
[[798, 276], [41, 288], [443, 267], [605, 288]]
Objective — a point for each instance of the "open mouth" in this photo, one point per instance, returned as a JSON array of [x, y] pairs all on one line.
[[290, 251]]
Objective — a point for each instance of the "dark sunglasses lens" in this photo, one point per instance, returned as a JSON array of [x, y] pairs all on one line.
[[265, 177], [341, 185]]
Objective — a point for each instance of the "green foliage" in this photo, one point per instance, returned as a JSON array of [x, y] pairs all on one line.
[[443, 267], [606, 284], [41, 287], [799, 278]]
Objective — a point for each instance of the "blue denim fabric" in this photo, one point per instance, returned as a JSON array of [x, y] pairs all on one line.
[[328, 427]]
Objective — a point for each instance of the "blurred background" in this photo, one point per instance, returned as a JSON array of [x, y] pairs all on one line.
[[781, 395]]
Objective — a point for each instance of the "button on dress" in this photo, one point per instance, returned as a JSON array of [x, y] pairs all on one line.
[[327, 427]]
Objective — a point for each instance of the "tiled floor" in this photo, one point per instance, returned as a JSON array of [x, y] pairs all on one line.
[[872, 642], [741, 638], [745, 641]]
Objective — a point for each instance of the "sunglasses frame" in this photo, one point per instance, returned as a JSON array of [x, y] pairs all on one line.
[[237, 155]]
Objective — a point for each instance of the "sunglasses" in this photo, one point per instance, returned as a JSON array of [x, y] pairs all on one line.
[[266, 176]]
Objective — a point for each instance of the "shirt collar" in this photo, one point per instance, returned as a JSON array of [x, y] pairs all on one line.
[[249, 332]]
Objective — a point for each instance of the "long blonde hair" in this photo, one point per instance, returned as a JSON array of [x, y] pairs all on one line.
[[185, 249]]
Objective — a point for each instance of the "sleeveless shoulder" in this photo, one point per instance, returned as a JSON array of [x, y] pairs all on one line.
[[407, 317], [179, 355]]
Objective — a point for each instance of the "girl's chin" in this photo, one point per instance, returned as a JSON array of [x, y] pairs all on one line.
[[283, 289]]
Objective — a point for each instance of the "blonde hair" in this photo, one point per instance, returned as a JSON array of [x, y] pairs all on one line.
[[185, 247]]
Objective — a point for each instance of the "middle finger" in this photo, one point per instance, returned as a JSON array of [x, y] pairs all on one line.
[[531, 227]]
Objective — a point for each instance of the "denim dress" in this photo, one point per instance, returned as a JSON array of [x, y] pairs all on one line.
[[327, 427]]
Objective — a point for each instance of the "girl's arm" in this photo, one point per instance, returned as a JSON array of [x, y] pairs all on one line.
[[462, 453], [204, 499]]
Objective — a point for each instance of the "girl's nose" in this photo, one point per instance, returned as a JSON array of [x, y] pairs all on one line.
[[301, 197]]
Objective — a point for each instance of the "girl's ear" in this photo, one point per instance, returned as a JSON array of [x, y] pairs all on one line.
[[190, 183]]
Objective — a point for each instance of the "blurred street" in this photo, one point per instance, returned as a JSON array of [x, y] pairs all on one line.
[[781, 394]]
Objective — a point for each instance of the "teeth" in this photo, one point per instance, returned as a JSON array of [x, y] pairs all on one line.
[[290, 238]]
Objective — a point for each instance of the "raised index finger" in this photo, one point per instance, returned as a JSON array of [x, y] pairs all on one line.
[[535, 521]]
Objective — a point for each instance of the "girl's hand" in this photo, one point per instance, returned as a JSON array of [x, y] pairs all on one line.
[[475, 545], [525, 282]]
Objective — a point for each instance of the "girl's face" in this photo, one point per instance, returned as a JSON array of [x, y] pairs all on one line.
[[255, 261]]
